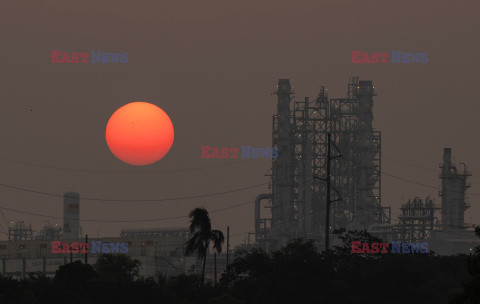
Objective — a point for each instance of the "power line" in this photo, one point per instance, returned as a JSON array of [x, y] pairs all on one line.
[[127, 221], [413, 165], [400, 178], [178, 170], [179, 198], [123, 221], [120, 172], [134, 200], [409, 164]]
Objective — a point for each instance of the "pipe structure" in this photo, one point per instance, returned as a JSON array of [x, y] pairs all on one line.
[[258, 220]]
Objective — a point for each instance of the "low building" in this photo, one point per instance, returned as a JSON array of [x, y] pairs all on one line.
[[159, 251]]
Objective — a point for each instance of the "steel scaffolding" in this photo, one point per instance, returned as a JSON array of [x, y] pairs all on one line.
[[417, 221], [297, 199], [20, 232]]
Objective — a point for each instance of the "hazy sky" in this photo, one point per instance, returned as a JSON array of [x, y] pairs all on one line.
[[212, 66]]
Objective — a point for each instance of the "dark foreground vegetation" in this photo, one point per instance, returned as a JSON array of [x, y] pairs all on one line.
[[297, 273]]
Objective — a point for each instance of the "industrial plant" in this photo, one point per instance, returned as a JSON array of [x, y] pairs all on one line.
[[159, 250], [327, 176], [330, 162]]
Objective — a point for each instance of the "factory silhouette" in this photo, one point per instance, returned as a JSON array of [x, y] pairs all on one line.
[[328, 150], [327, 175]]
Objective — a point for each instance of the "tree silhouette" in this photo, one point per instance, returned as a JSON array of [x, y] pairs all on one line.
[[117, 267], [201, 235], [471, 290]]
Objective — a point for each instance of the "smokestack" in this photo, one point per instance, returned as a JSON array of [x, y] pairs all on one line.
[[71, 215], [447, 159]]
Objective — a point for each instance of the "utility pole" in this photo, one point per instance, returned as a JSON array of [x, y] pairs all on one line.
[[327, 215], [86, 253], [228, 243], [329, 186], [215, 266]]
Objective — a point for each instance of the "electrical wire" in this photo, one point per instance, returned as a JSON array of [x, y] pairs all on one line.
[[409, 164], [181, 198], [120, 172], [414, 165], [399, 178], [134, 200], [126, 221]]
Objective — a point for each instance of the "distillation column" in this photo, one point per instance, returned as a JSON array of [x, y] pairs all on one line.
[[283, 213], [454, 185], [365, 172]]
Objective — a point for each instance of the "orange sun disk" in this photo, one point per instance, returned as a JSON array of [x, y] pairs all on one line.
[[139, 133]]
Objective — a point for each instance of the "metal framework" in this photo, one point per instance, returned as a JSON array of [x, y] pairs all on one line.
[[358, 175], [297, 199], [417, 221], [50, 232], [20, 232]]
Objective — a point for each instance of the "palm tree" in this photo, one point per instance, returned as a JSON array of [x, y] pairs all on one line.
[[201, 235]]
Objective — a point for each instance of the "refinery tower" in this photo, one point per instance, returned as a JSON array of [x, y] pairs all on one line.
[[295, 206]]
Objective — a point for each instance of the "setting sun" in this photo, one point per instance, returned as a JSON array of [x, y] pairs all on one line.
[[139, 133]]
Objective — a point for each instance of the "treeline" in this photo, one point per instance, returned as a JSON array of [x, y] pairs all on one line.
[[297, 273]]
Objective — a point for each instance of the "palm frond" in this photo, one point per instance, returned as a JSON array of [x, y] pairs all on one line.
[[201, 234], [199, 243], [192, 244], [217, 237], [199, 220]]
